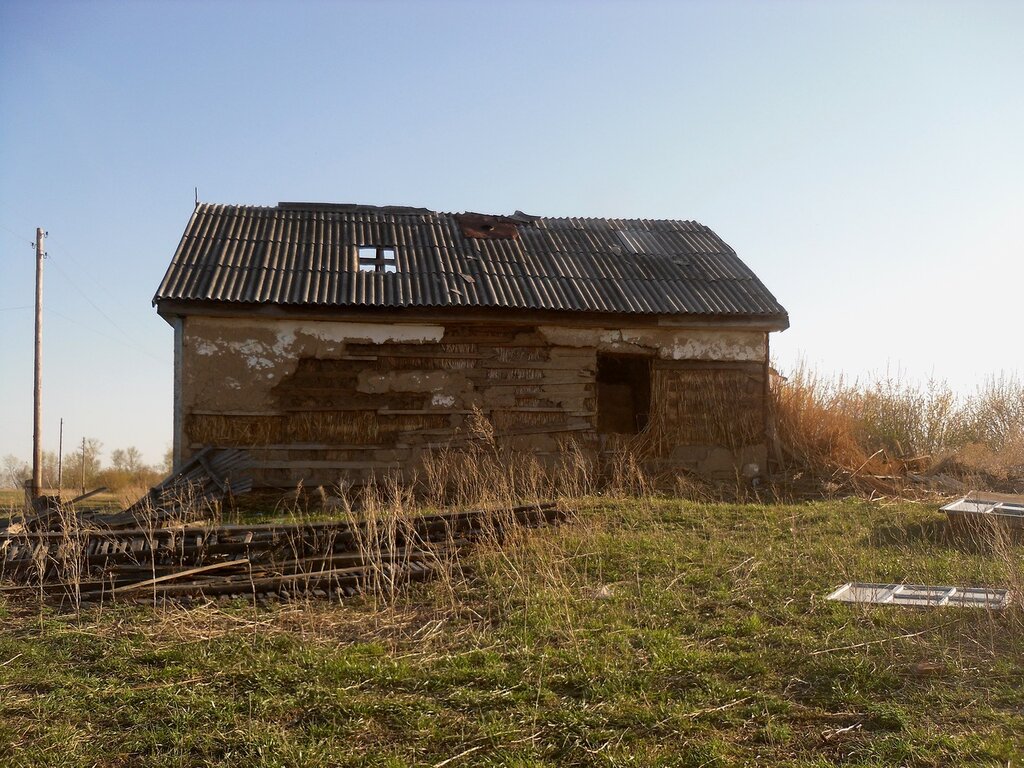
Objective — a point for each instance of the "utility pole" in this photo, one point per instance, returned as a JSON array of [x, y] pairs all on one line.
[[37, 400], [60, 458], [83, 466]]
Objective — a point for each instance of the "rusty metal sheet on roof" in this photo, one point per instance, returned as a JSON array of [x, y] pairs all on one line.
[[306, 254]]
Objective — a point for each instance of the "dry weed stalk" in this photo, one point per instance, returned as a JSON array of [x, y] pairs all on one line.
[[70, 555], [1002, 542], [890, 425]]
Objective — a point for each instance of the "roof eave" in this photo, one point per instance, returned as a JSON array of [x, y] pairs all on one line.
[[169, 308]]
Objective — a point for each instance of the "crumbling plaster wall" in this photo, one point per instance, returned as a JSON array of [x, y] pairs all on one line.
[[664, 343], [232, 364], [317, 399]]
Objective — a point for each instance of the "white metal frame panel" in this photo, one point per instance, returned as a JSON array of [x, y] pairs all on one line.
[[921, 595]]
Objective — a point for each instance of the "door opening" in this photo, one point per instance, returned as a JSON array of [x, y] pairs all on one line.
[[623, 393]]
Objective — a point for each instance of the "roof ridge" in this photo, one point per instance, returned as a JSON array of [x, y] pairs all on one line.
[[323, 207]]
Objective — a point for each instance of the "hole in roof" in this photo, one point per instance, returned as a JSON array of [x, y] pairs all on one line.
[[376, 258], [486, 227]]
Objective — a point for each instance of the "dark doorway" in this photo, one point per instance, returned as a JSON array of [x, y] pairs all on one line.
[[623, 393]]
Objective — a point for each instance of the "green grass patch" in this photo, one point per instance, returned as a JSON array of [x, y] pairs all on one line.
[[644, 633]]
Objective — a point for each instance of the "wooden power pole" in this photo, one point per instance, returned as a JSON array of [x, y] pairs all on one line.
[[60, 458], [37, 400]]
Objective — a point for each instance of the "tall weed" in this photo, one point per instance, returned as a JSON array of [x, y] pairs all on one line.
[[892, 424]]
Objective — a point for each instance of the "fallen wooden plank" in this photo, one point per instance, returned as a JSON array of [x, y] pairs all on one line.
[[180, 575], [90, 494]]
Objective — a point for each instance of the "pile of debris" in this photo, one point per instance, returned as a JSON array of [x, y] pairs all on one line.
[[157, 549], [209, 477], [332, 559]]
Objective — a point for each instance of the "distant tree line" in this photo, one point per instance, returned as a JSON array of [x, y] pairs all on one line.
[[126, 468]]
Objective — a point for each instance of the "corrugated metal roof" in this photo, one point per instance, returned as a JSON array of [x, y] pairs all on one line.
[[306, 254]]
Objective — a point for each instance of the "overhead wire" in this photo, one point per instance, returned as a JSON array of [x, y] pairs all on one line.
[[77, 322], [51, 311], [84, 272], [15, 234], [132, 341]]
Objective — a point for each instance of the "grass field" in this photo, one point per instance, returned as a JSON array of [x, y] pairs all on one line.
[[645, 633], [15, 498]]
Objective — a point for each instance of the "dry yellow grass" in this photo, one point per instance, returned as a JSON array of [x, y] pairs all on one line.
[[889, 426]]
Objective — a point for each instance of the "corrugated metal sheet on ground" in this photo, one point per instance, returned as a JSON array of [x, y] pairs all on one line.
[[307, 255]]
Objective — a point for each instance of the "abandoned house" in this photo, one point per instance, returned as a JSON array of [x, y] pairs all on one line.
[[339, 341]]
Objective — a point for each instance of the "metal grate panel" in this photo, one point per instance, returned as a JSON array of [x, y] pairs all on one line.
[[921, 596], [992, 506]]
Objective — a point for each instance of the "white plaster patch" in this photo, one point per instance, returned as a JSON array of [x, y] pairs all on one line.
[[572, 337], [669, 344], [287, 332], [374, 333], [695, 350], [261, 356], [442, 401], [255, 353], [700, 345]]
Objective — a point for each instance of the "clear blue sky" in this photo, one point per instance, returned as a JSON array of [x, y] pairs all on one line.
[[866, 159]]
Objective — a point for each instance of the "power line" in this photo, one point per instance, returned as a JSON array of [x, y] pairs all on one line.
[[131, 341], [88, 276], [78, 323], [20, 237], [84, 295]]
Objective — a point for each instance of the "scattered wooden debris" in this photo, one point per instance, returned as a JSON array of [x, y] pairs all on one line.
[[208, 477], [324, 558], [921, 596], [89, 494]]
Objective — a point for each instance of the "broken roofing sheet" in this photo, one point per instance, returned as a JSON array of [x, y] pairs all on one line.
[[921, 595]]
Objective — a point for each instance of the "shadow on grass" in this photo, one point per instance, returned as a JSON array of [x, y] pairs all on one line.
[[962, 536]]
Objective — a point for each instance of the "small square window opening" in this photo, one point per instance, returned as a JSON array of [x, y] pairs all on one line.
[[376, 258]]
